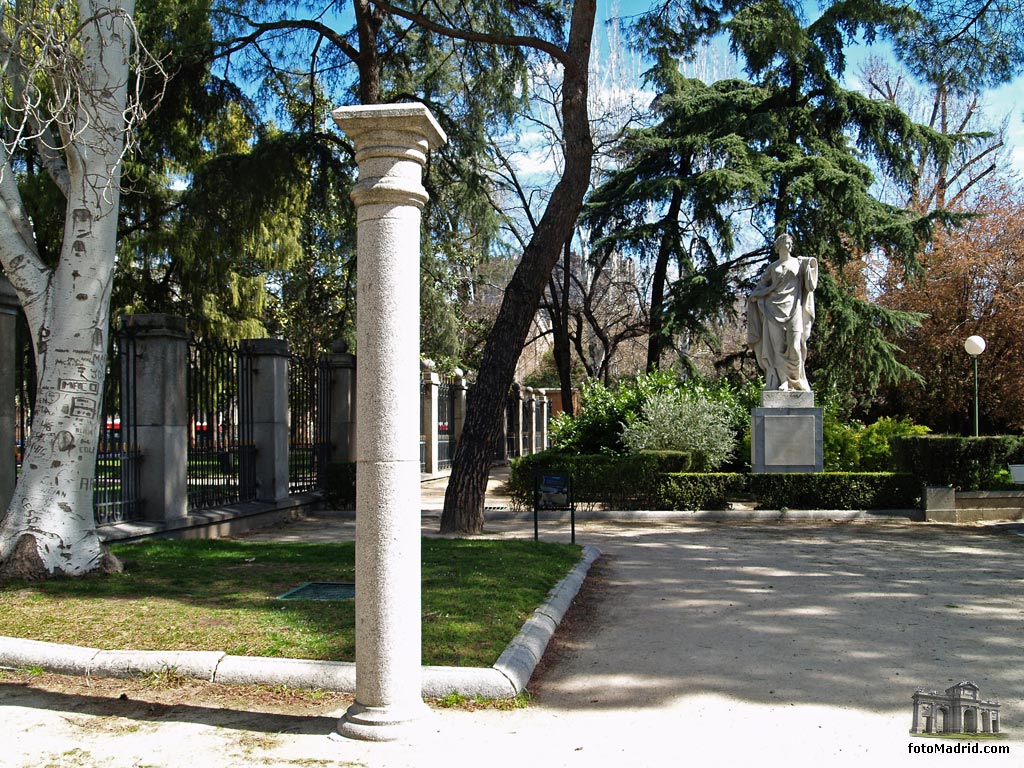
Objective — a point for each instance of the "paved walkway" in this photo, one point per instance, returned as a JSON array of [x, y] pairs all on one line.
[[792, 644]]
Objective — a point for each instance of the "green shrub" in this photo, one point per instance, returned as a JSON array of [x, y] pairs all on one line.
[[597, 428], [699, 490], [967, 463], [836, 490], [854, 447], [683, 420], [620, 482], [339, 482]]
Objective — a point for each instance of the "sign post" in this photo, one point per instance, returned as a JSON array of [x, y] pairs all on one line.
[[552, 490]]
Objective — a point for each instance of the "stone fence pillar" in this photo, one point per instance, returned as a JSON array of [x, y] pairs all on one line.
[[544, 410], [343, 403], [270, 417], [530, 412], [459, 390], [161, 371], [428, 429], [9, 305], [391, 143]]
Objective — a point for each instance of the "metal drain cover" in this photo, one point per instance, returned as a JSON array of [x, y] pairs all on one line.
[[321, 590]]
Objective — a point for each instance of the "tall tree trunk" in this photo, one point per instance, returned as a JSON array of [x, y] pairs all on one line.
[[464, 499], [560, 321], [669, 239], [49, 527]]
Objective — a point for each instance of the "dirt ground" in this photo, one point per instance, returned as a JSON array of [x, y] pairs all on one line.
[[719, 644]]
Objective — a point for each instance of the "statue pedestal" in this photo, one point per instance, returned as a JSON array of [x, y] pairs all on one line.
[[786, 433]]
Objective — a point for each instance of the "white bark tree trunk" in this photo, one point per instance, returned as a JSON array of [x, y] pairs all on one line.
[[49, 527]]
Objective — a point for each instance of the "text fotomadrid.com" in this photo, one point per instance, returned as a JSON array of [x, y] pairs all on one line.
[[960, 748]]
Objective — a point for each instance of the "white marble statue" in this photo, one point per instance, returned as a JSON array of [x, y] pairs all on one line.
[[780, 311]]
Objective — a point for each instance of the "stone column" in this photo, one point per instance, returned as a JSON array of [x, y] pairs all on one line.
[[391, 142], [459, 389], [8, 387], [161, 376], [270, 417], [431, 381], [343, 403]]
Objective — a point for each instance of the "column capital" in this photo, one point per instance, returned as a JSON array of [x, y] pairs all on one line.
[[388, 139]]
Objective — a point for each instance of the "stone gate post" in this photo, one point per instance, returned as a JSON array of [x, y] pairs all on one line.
[[391, 142], [429, 393], [270, 417], [161, 371], [343, 403]]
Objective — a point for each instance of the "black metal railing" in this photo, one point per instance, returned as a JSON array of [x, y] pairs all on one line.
[[547, 432], [512, 421], [221, 450], [24, 389], [116, 490], [309, 427], [445, 424], [524, 424], [424, 395]]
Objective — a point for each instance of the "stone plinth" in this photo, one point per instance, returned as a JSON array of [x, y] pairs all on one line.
[[391, 143], [786, 433]]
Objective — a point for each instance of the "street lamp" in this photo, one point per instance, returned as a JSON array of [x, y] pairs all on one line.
[[974, 346]]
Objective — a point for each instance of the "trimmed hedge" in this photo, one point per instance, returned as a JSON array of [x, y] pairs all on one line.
[[621, 482], [699, 490], [340, 485], [967, 463], [836, 490]]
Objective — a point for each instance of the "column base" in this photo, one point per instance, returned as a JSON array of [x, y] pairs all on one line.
[[389, 723]]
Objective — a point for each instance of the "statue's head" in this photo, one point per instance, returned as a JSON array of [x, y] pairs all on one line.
[[784, 244]]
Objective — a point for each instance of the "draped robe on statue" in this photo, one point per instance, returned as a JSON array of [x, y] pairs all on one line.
[[780, 311]]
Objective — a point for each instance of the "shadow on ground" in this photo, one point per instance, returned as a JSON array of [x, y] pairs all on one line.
[[848, 615], [146, 710]]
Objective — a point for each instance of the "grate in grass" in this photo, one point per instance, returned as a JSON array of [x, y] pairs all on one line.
[[321, 590]]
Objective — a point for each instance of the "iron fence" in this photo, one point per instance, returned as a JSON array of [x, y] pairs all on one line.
[[445, 424], [547, 432], [24, 389], [309, 426], [524, 424], [118, 461], [512, 420], [221, 451], [424, 397], [539, 413], [116, 482]]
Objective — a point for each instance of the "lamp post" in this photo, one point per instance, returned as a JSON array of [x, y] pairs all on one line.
[[974, 346]]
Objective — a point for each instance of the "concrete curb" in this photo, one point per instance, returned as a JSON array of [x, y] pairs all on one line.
[[507, 678], [712, 515]]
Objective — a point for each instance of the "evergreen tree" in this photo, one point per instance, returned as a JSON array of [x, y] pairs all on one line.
[[784, 152]]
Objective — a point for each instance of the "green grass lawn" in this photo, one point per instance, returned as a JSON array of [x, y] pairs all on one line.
[[220, 595]]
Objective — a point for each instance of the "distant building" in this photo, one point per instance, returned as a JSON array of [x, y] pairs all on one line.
[[959, 710]]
